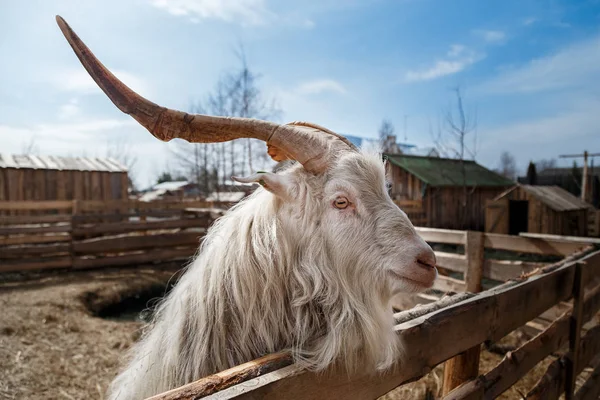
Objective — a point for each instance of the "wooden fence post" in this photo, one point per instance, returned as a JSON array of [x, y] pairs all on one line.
[[76, 207], [75, 210], [465, 366], [575, 323]]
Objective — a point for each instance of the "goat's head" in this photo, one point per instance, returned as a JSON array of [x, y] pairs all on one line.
[[349, 204]]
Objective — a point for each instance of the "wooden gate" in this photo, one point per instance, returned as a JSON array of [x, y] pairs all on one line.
[[496, 216]]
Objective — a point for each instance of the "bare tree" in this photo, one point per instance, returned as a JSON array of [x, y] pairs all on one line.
[[452, 140], [387, 139], [122, 151], [236, 94], [508, 165], [245, 92], [30, 147], [544, 164], [457, 127]]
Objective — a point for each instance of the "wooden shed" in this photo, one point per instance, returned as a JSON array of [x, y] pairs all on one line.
[[30, 177], [537, 209], [443, 192]]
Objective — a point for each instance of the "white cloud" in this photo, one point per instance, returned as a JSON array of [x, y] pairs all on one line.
[[490, 36], [69, 110], [81, 132], [245, 12], [574, 66], [320, 86], [79, 81], [546, 136], [530, 21], [457, 59], [308, 23], [456, 50], [562, 24]]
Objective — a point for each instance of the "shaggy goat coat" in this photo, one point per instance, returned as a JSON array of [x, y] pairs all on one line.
[[274, 274]]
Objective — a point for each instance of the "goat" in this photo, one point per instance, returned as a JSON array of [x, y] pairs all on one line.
[[308, 263]]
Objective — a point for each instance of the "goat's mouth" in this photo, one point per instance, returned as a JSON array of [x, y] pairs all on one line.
[[424, 283]]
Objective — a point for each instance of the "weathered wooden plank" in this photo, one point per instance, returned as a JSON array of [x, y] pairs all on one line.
[[516, 363], [592, 267], [230, 377], [30, 239], [36, 205], [590, 390], [552, 384], [32, 264], [461, 369], [409, 301], [131, 226], [575, 324], [129, 243], [555, 312], [133, 259], [530, 245], [34, 219], [442, 235], [447, 284], [503, 270], [465, 365], [421, 310], [409, 203], [182, 204], [572, 239], [20, 230], [35, 249], [99, 205], [474, 255], [451, 261], [428, 340], [95, 218]]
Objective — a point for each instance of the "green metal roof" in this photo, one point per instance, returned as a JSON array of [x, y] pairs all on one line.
[[447, 171]]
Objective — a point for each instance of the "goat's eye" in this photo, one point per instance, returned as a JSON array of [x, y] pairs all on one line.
[[341, 203]]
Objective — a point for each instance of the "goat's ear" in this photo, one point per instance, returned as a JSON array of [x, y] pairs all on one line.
[[279, 185]]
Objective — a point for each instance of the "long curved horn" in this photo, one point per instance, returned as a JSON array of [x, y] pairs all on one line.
[[308, 144]]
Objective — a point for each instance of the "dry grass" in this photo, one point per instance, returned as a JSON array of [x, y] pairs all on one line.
[[52, 347]]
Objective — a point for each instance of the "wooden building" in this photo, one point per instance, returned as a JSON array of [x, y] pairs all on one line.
[[442, 192], [29, 177], [172, 190], [537, 209]]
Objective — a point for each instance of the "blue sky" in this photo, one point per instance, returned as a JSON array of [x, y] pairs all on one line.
[[530, 70]]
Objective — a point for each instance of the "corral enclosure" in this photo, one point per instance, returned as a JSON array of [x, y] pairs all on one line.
[[83, 235], [91, 234], [30, 177], [558, 302]]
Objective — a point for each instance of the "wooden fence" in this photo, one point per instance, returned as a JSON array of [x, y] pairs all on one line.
[[414, 210], [474, 265], [90, 234], [439, 331], [451, 329]]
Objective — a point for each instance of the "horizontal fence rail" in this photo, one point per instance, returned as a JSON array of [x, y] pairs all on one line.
[[438, 332], [97, 234], [536, 296]]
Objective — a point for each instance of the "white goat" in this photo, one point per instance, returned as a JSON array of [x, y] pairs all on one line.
[[308, 264]]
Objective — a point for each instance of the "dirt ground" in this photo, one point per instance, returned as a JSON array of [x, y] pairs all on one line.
[[53, 346]]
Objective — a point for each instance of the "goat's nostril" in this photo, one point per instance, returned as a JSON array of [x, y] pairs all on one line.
[[427, 259]]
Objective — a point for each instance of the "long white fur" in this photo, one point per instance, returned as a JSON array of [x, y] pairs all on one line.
[[276, 274]]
